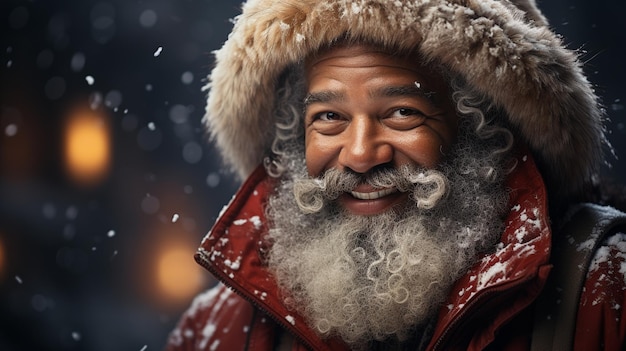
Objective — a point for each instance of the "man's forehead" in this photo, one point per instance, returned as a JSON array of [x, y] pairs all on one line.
[[430, 82], [359, 54]]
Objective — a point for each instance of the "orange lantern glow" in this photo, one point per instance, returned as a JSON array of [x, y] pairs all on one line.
[[179, 277], [87, 146]]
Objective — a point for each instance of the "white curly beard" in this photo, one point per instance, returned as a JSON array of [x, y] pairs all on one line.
[[367, 278]]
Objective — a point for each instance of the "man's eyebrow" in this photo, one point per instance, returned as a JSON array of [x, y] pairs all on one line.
[[326, 96], [323, 97], [404, 90]]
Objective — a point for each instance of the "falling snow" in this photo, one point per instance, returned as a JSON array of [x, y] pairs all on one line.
[[10, 130], [188, 333], [256, 221], [240, 221], [234, 265], [261, 294], [493, 274], [69, 65]]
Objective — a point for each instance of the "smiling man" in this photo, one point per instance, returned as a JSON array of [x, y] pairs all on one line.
[[368, 236], [391, 197]]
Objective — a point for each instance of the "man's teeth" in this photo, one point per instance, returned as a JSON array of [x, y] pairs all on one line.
[[374, 194]]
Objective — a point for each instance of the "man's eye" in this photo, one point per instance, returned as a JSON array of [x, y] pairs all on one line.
[[405, 118], [327, 116], [404, 112]]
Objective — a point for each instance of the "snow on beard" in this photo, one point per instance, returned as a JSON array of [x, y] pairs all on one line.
[[366, 278]]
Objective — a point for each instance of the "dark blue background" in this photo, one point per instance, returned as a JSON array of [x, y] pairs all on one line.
[[64, 283]]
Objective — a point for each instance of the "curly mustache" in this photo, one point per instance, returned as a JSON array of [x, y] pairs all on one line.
[[427, 186]]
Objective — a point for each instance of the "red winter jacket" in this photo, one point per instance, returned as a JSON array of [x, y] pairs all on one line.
[[490, 307]]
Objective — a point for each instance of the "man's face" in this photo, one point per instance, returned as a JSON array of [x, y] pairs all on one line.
[[371, 233], [366, 109]]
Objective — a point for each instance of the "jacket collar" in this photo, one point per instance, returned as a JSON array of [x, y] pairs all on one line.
[[234, 252], [518, 267]]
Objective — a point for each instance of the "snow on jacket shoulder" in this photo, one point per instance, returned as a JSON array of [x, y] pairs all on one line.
[[601, 318], [491, 307]]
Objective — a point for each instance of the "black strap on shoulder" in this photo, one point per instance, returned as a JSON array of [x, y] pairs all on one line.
[[574, 247]]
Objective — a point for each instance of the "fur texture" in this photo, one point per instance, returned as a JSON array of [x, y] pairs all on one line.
[[503, 49]]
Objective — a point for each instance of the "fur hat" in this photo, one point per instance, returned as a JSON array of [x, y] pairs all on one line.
[[503, 49]]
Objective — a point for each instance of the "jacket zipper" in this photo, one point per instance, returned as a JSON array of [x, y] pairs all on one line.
[[243, 294]]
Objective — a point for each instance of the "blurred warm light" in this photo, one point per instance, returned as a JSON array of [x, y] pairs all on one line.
[[179, 277], [87, 146]]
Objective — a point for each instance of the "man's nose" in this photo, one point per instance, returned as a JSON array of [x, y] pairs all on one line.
[[366, 145]]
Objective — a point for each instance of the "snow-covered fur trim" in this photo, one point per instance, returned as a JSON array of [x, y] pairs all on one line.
[[502, 48]]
